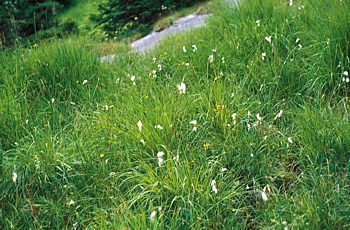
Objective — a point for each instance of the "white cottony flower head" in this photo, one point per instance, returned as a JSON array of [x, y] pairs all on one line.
[[223, 169], [194, 48], [158, 127], [143, 141], [234, 115], [211, 58], [14, 176], [194, 122], [346, 79], [139, 125], [153, 216], [182, 88], [268, 38], [71, 202], [160, 154], [297, 40], [176, 158], [213, 186], [160, 158], [258, 117], [187, 64], [278, 115], [290, 140], [133, 79], [290, 2], [346, 73], [263, 196], [257, 22], [263, 56], [184, 49], [85, 82], [153, 73], [160, 67]]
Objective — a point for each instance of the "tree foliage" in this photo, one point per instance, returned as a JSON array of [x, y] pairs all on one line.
[[21, 18]]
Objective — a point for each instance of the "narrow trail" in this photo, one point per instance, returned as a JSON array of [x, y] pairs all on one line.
[[187, 23], [183, 24]]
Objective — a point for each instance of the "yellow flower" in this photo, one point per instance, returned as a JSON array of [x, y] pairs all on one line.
[[218, 108], [206, 146], [101, 155]]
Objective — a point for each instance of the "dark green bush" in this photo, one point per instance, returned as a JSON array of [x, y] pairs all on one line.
[[69, 27], [22, 18]]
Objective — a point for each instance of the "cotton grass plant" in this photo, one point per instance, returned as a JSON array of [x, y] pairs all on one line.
[[217, 137]]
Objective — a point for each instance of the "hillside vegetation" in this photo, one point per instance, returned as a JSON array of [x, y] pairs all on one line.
[[243, 124], [80, 11]]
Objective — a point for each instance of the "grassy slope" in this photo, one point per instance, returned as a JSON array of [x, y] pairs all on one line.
[[84, 146], [200, 8], [80, 11]]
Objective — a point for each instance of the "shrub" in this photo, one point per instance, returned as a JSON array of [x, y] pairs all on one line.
[[24, 18], [69, 27]]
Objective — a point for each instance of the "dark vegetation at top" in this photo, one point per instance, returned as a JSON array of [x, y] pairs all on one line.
[[23, 18], [121, 19], [22, 21]]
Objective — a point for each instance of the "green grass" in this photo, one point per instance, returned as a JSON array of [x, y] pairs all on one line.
[[199, 8], [80, 11], [80, 161]]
